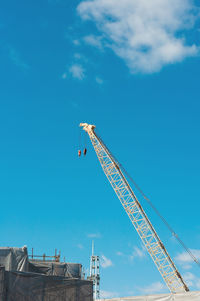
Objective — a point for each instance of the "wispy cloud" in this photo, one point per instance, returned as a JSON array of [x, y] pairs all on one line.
[[64, 76], [76, 42], [105, 262], [189, 278], [108, 295], [16, 58], [77, 56], [192, 280], [99, 80], [80, 246], [185, 260], [75, 105], [93, 41], [94, 235], [156, 287], [119, 253], [147, 35], [77, 71], [138, 253]]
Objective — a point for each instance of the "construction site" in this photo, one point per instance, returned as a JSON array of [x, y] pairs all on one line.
[[100, 150], [116, 175], [25, 276]]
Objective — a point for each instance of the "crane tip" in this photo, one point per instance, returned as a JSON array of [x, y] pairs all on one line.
[[87, 127]]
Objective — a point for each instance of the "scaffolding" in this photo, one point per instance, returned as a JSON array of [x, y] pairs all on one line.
[[44, 257], [41, 278]]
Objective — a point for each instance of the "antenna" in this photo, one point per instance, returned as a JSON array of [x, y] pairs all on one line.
[[94, 273]]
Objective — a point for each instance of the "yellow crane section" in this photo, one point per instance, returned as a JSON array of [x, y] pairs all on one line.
[[136, 214]]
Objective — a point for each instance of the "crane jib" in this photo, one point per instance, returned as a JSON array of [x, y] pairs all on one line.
[[136, 214]]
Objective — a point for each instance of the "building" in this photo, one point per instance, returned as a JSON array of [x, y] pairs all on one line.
[[24, 279]]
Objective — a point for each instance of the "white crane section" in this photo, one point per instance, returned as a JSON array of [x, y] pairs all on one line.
[[138, 217], [94, 275]]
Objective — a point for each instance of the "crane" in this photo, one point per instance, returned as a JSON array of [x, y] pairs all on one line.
[[136, 214]]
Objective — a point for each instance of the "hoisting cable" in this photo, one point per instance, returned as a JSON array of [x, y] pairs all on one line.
[[85, 140], [80, 139], [162, 218], [79, 150], [153, 207], [85, 144]]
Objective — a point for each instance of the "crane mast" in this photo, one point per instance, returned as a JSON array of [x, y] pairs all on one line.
[[136, 214]]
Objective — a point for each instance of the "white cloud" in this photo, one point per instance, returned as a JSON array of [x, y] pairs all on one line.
[[80, 57], [16, 59], [108, 295], [187, 266], [138, 253], [76, 42], [64, 76], [105, 262], [146, 34], [192, 280], [93, 40], [99, 80], [186, 260], [77, 71], [189, 278], [153, 288], [94, 235], [77, 56], [80, 246], [197, 283], [119, 253]]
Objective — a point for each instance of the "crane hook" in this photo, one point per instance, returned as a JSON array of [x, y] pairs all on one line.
[[85, 151]]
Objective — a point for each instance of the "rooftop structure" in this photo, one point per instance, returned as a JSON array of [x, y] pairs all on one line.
[[22, 279], [95, 274]]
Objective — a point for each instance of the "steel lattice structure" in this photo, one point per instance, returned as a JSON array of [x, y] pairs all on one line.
[[95, 273], [138, 217]]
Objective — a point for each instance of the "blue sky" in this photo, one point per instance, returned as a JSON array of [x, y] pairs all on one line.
[[133, 70]]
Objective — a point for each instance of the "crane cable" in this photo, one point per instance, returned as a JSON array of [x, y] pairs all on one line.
[[154, 208], [80, 139], [163, 219]]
